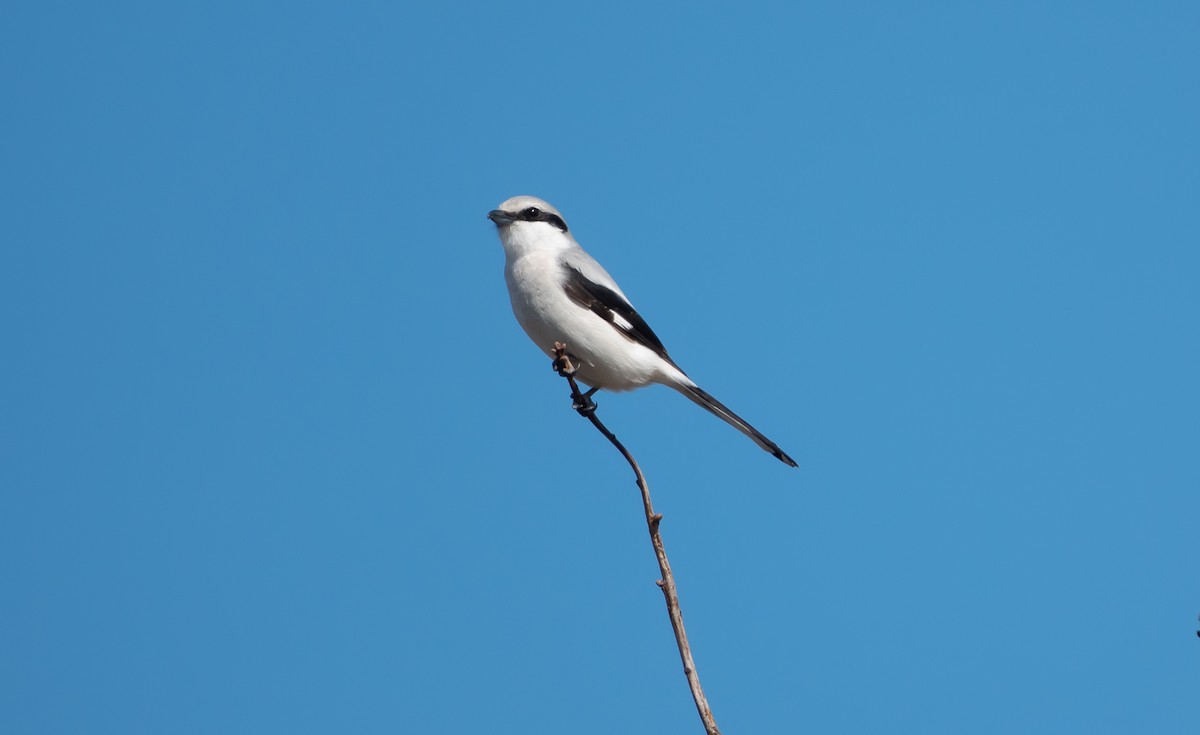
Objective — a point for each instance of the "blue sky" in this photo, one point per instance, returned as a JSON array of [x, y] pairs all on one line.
[[277, 458]]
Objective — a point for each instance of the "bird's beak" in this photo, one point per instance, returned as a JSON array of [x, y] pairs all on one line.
[[500, 217]]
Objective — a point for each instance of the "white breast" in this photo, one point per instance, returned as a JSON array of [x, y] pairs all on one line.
[[607, 358]]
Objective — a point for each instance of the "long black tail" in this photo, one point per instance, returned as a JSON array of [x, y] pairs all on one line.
[[701, 398]]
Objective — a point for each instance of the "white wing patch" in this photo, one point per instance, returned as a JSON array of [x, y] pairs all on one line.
[[621, 322]]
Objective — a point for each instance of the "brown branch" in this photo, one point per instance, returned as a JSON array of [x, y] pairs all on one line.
[[583, 404]]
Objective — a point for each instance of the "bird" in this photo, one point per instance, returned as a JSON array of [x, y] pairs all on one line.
[[559, 293]]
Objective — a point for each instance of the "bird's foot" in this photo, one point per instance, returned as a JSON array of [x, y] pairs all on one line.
[[583, 403]]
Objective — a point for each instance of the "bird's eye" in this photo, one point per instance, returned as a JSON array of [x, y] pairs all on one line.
[[531, 214]]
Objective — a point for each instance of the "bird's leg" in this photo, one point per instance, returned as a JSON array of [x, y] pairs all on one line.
[[581, 402]]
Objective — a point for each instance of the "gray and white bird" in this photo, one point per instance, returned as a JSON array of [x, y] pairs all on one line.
[[560, 293]]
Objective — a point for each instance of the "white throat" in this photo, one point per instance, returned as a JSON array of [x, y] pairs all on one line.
[[522, 238]]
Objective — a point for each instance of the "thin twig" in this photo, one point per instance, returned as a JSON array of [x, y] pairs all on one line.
[[583, 404]]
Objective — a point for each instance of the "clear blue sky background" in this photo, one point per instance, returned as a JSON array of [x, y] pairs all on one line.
[[275, 456]]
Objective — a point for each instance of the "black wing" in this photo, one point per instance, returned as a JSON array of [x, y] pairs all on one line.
[[614, 309]]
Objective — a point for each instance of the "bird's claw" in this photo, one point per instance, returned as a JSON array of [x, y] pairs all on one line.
[[583, 404], [562, 366]]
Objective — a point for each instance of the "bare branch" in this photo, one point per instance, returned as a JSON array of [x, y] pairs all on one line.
[[583, 404]]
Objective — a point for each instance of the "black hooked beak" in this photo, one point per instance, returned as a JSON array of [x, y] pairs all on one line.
[[500, 217]]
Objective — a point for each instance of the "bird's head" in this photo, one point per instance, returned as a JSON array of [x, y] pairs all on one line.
[[526, 222]]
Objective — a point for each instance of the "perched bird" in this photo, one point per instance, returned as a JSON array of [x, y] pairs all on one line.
[[560, 294]]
